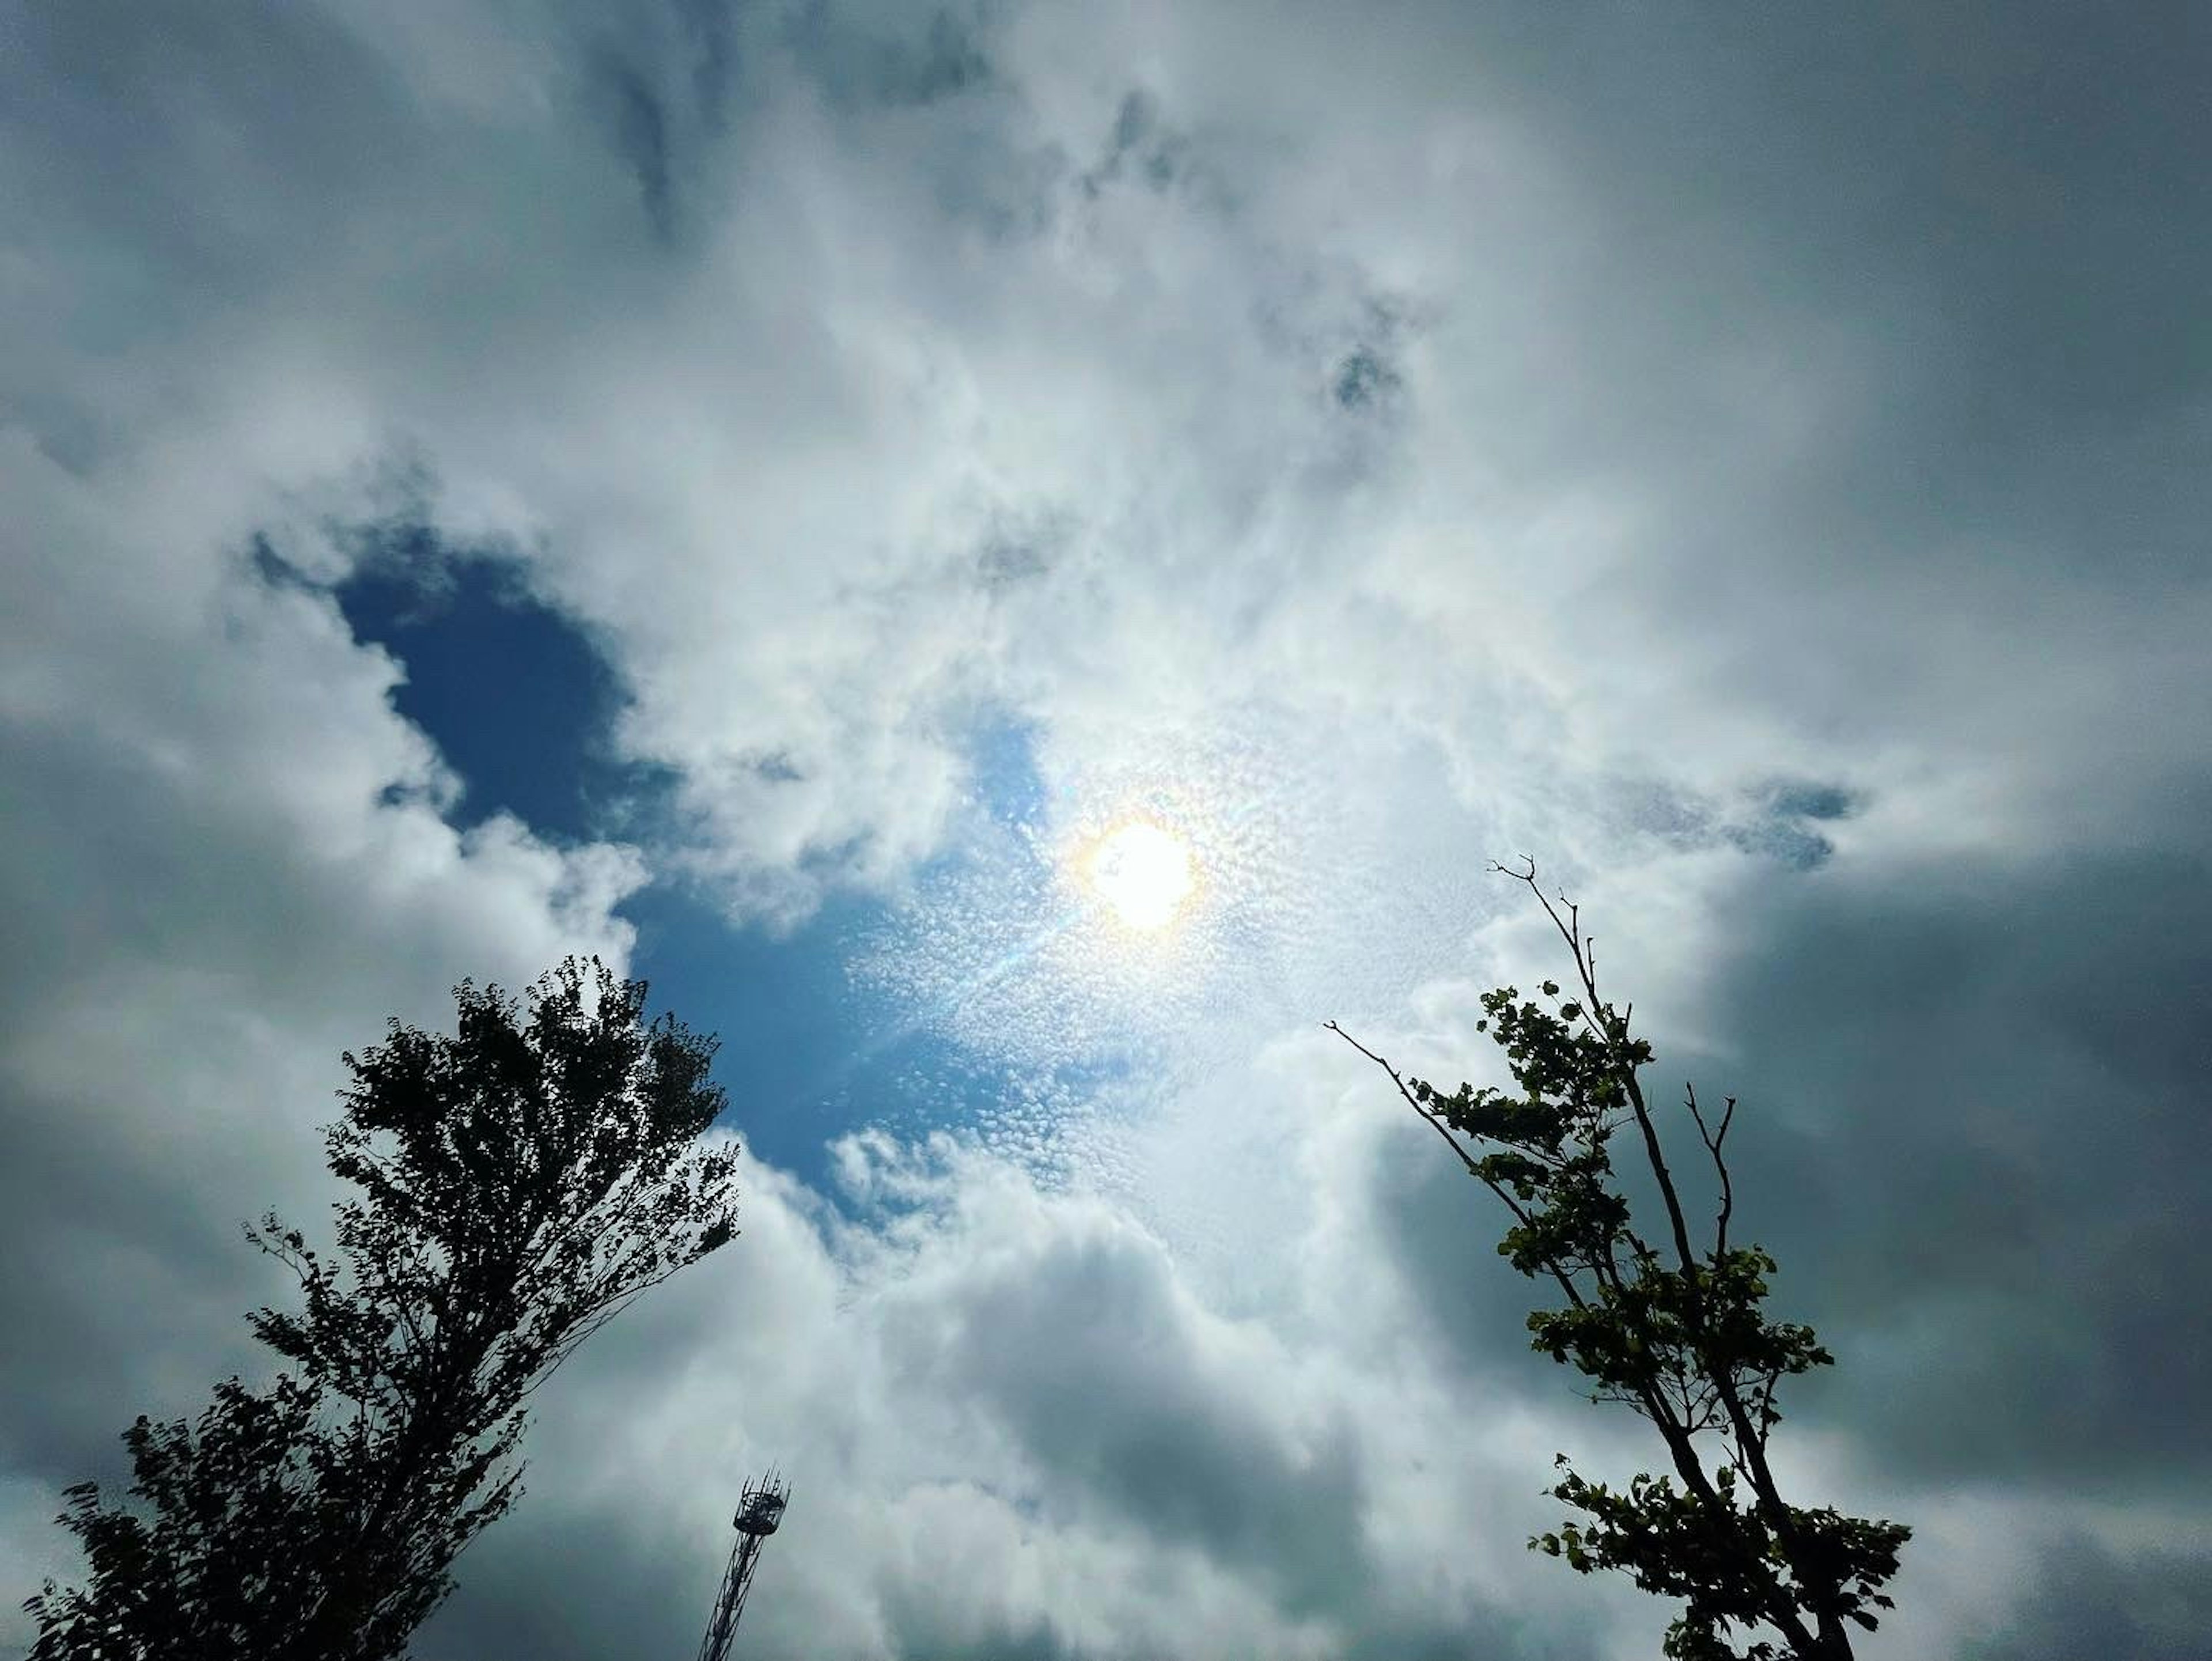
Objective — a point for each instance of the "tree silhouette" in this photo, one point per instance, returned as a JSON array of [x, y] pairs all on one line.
[[1676, 1332], [517, 1185]]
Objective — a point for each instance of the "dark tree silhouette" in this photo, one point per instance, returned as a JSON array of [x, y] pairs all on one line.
[[517, 1185], [1675, 1331]]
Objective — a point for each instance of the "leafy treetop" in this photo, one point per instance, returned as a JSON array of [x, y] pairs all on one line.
[[1675, 1328]]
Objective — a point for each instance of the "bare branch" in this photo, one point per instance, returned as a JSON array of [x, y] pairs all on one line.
[[1712, 1141], [1412, 1100], [1561, 1276]]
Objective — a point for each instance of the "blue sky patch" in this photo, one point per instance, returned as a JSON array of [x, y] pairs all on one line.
[[516, 696], [520, 702]]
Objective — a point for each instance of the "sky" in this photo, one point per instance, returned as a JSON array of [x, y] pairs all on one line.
[[765, 493]]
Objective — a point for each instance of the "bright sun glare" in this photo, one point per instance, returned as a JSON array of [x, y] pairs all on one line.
[[1143, 872]]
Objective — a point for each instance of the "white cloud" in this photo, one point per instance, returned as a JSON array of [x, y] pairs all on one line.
[[224, 865], [1008, 1417]]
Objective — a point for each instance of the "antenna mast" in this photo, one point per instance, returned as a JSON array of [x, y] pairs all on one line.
[[760, 1510]]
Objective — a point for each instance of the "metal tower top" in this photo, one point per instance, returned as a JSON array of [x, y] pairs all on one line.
[[761, 1508], [760, 1511]]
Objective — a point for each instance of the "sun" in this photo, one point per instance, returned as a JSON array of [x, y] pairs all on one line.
[[1143, 871]]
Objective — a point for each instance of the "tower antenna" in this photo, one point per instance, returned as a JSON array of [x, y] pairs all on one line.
[[760, 1510]]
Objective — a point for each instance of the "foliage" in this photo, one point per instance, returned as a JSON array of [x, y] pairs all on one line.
[[516, 1186], [1676, 1332]]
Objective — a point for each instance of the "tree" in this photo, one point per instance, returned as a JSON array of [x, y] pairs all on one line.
[[1680, 1334], [515, 1187]]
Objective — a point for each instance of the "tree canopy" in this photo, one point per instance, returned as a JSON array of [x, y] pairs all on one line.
[[1675, 1329], [515, 1186]]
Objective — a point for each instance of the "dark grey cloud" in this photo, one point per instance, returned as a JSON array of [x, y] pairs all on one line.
[[1903, 229], [1124, 1408], [651, 1587], [638, 122], [1365, 380], [1987, 163], [892, 58], [290, 125], [1778, 821], [1142, 147], [1973, 1125], [2090, 1602], [710, 29]]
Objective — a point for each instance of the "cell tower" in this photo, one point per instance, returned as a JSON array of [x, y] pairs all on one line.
[[760, 1509]]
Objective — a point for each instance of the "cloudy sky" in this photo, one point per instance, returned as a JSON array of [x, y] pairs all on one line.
[[766, 492]]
